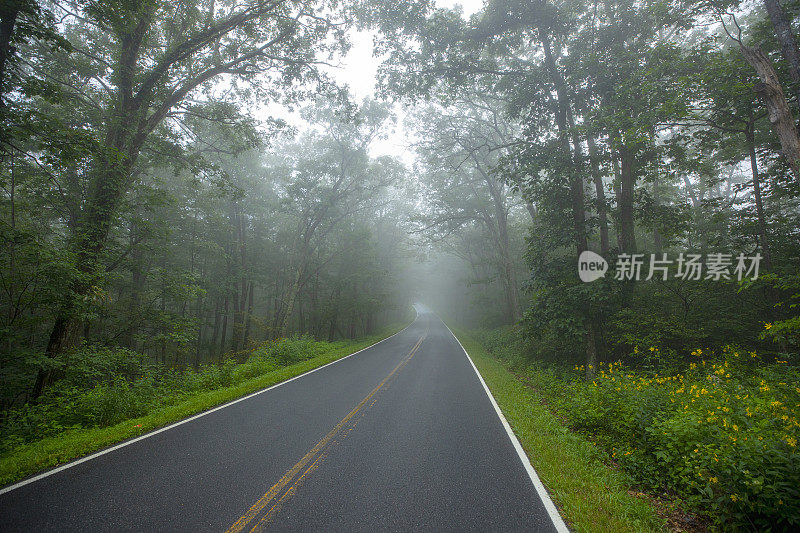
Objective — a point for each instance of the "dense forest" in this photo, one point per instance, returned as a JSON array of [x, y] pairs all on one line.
[[187, 184]]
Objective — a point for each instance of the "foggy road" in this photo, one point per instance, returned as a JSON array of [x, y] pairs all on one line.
[[400, 436]]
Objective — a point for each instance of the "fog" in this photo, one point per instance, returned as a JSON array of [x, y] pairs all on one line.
[[220, 176]]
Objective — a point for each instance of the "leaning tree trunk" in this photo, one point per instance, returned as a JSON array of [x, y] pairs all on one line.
[[780, 116], [110, 176], [88, 241], [789, 50]]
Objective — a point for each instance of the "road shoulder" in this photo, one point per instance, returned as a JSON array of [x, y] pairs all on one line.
[[590, 495]]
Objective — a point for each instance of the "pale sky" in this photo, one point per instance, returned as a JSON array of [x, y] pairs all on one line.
[[358, 70]]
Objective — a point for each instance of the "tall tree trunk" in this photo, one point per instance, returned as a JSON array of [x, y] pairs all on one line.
[[224, 333], [564, 121], [236, 327], [789, 50], [200, 327], [332, 329], [248, 316], [562, 113], [500, 229], [215, 327], [762, 224], [600, 193], [137, 286], [334, 316], [615, 187], [88, 242], [110, 176], [658, 241], [163, 308], [291, 299], [239, 281], [627, 238], [780, 116], [508, 274], [8, 18], [316, 317], [301, 318], [591, 350]]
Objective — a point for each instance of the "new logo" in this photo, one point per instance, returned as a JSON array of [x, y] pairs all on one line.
[[591, 266]]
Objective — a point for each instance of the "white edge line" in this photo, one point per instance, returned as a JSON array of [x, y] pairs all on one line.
[[76, 462], [558, 522]]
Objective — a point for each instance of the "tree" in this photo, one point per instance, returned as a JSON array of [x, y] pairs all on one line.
[[146, 60], [461, 148], [330, 177], [789, 49]]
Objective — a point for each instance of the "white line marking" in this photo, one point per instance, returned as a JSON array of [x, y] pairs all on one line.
[[558, 522], [76, 462]]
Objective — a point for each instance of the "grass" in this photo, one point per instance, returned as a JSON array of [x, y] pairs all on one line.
[[40, 455], [590, 495]]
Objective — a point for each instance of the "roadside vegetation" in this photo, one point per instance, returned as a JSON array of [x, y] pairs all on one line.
[[166, 246], [719, 436], [108, 395], [590, 495]]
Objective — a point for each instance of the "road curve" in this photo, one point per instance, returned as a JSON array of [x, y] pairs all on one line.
[[401, 436]]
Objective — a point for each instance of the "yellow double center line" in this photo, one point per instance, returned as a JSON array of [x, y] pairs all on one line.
[[268, 505]]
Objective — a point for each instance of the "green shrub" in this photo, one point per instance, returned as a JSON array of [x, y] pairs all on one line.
[[92, 365], [723, 435], [101, 386], [289, 351]]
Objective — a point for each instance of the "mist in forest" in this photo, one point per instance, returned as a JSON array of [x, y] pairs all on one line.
[[187, 183], [190, 203], [219, 184]]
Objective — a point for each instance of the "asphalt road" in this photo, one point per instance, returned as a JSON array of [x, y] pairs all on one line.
[[399, 437]]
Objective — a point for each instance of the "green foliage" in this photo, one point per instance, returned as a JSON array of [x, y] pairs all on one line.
[[100, 387], [722, 435], [787, 330], [288, 351]]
